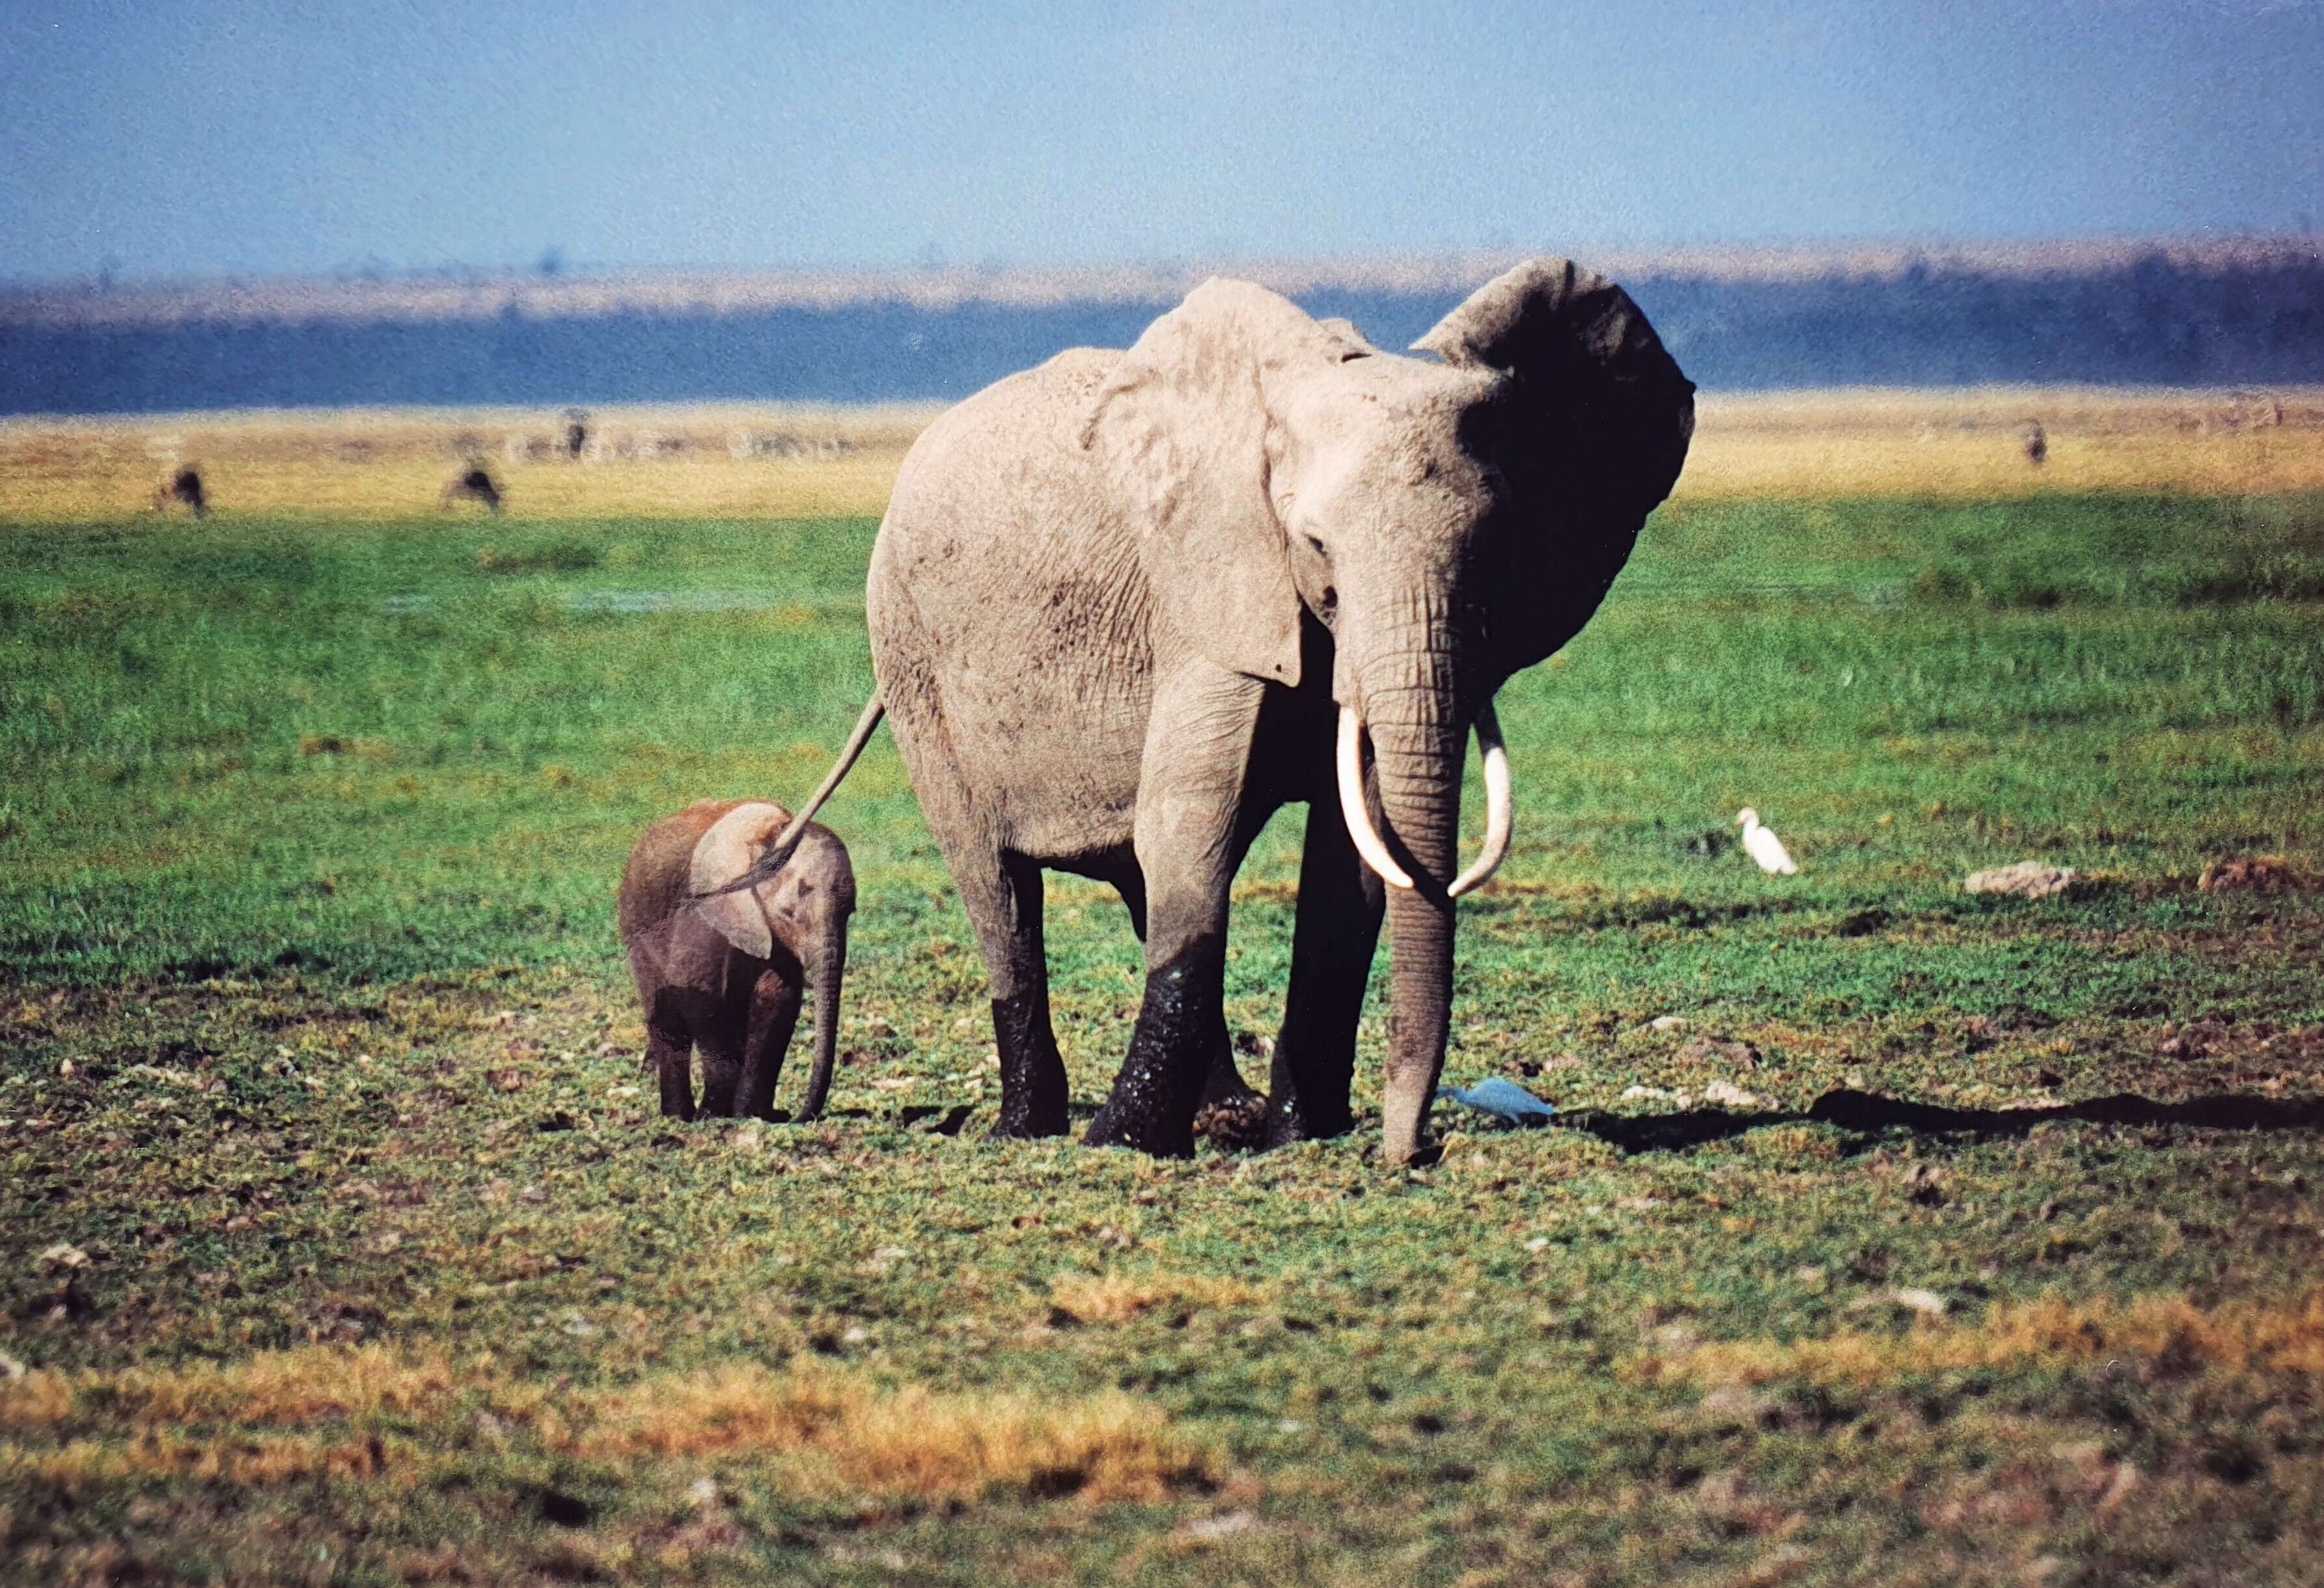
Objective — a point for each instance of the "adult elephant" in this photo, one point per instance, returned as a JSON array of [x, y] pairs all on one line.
[[1125, 605]]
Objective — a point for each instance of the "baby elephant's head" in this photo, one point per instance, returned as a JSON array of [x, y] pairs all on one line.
[[794, 913], [797, 917]]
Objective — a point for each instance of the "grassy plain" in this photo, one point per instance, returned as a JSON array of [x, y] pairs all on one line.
[[1947, 1238]]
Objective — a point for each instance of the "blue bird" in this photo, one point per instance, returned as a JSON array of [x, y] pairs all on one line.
[[1506, 1101]]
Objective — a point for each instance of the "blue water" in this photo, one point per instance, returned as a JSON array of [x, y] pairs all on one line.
[[2147, 323]]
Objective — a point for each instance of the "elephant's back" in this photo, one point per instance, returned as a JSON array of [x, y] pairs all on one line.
[[658, 875]]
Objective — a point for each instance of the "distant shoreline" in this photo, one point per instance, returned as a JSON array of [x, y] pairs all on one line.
[[484, 295]]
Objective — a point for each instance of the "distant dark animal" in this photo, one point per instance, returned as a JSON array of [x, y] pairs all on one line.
[[577, 433], [181, 487], [473, 483], [2037, 444]]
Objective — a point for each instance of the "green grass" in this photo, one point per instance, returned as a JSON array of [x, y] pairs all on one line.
[[307, 842]]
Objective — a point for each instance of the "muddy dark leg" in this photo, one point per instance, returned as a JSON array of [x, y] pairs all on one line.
[[1179, 1026], [1223, 1083], [774, 1015], [667, 1054], [1032, 1073], [1192, 827], [722, 1073], [1003, 898], [1337, 928]]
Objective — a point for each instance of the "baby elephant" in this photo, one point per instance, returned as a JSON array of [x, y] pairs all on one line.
[[724, 974]]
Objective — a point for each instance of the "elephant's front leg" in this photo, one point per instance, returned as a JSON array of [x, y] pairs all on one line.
[[1340, 900], [1193, 825], [669, 1053], [774, 1015]]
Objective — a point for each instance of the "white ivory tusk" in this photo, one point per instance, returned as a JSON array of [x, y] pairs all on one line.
[[1500, 805], [1351, 802]]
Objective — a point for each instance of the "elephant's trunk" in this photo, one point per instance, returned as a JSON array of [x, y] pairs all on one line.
[[1411, 709], [830, 966]]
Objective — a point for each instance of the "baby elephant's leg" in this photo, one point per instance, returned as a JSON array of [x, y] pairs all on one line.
[[666, 1055], [722, 1072], [774, 1014]]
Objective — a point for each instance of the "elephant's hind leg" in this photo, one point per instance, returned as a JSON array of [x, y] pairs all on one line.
[[1003, 898]]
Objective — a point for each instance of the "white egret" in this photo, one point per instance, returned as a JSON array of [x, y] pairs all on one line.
[[1762, 845]]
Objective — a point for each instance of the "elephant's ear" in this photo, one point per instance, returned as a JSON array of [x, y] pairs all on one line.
[[1592, 425], [732, 845], [1180, 430]]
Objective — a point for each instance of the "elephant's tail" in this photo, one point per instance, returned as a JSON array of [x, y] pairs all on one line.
[[781, 850]]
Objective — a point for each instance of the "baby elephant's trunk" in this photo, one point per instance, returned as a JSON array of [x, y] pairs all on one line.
[[830, 965]]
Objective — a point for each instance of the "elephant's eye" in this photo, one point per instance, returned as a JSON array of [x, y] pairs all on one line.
[[1316, 546]]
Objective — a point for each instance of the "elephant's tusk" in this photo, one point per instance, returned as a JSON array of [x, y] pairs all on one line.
[[1351, 802], [1500, 805]]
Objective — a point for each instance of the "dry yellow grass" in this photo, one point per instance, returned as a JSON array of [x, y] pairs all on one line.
[[831, 1432], [1116, 1298], [774, 460], [287, 1387], [2243, 1336], [857, 1438], [1970, 443]]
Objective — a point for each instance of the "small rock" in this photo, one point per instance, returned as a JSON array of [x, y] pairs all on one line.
[[1538, 1243], [702, 1493], [856, 1335], [1647, 1094], [1927, 1303], [2028, 878], [1219, 1526], [10, 1368], [64, 1255], [1667, 1022], [1728, 1095]]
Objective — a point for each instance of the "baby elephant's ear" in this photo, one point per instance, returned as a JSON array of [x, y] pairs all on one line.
[[733, 842]]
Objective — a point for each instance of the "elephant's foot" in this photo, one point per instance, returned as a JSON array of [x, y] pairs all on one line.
[[1224, 1085], [1152, 1105], [1307, 1090], [1032, 1075], [1289, 1121]]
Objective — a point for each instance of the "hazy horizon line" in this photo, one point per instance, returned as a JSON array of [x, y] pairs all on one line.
[[463, 292]]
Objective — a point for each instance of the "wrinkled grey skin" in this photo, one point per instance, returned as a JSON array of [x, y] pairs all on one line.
[[1116, 602], [726, 974]]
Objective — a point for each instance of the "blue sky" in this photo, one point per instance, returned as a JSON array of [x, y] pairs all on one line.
[[200, 137]]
